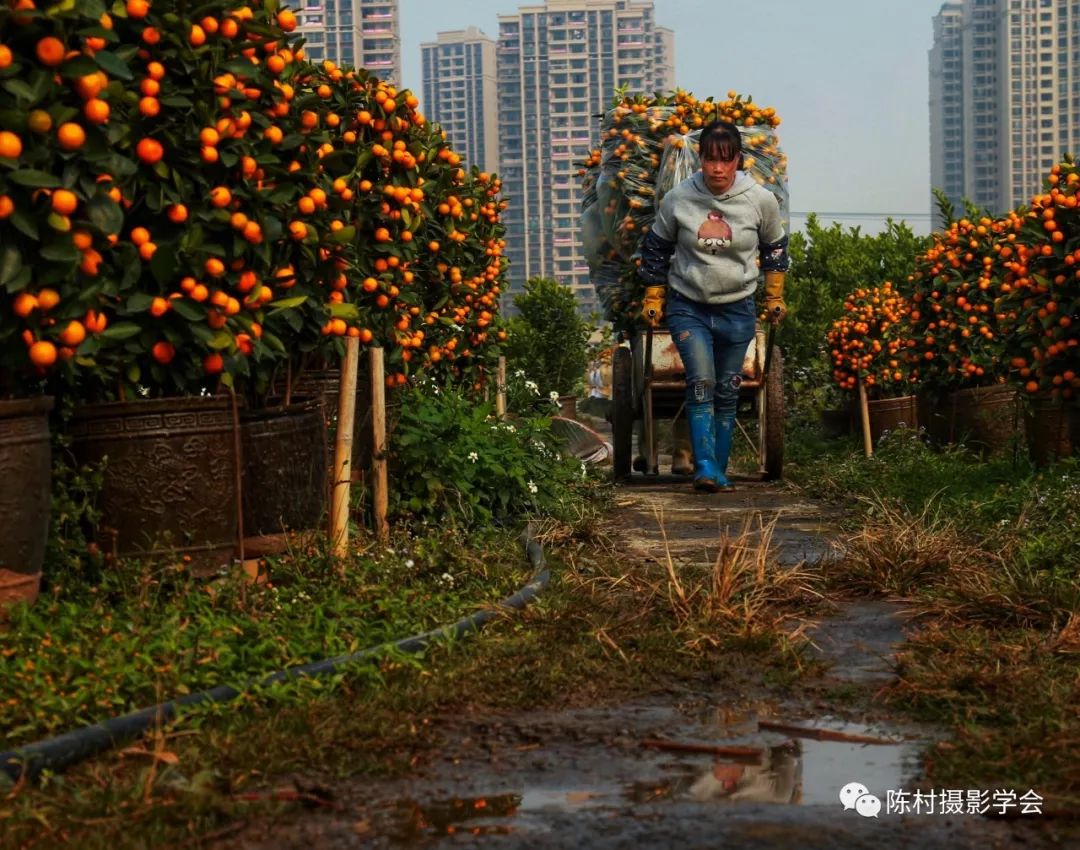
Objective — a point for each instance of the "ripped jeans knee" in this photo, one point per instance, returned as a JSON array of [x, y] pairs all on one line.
[[726, 396], [700, 391]]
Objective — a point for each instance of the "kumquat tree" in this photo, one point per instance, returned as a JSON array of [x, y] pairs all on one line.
[[870, 342], [188, 201], [1041, 288], [958, 321]]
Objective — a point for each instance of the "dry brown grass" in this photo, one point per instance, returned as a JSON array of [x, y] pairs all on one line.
[[923, 556], [743, 594]]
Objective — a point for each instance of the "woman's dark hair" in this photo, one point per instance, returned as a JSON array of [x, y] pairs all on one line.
[[721, 140]]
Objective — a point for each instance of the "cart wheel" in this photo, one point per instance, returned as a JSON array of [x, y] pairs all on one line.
[[774, 417], [622, 412]]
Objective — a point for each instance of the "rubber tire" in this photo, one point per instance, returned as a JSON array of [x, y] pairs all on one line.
[[622, 412], [774, 418]]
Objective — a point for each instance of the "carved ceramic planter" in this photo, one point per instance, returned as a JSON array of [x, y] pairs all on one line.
[[170, 476], [25, 496], [285, 468]]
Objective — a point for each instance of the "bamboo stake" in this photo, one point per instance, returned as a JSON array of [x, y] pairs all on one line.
[[238, 461], [500, 389], [823, 734], [339, 507], [864, 413], [380, 491]]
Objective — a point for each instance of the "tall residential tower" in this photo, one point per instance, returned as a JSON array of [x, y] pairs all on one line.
[[559, 64], [356, 33], [459, 93], [1004, 97]]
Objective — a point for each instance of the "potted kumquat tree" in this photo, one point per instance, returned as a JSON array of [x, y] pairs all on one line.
[[868, 346], [958, 330], [1042, 290]]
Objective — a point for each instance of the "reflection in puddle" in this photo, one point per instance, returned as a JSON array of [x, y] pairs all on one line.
[[824, 766], [792, 770], [412, 821], [777, 779]]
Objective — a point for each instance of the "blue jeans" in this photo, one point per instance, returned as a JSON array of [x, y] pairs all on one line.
[[712, 340]]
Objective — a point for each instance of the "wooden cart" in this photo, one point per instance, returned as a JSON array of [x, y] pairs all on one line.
[[649, 384]]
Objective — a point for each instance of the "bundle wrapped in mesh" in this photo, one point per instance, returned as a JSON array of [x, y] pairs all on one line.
[[648, 145]]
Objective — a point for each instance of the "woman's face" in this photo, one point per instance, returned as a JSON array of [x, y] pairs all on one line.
[[719, 173]]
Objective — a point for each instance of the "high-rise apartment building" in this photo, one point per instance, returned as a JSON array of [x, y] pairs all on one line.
[[559, 64], [664, 63], [946, 104], [1004, 97], [354, 33], [458, 73]]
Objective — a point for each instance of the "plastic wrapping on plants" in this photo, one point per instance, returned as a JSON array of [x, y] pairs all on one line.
[[648, 145]]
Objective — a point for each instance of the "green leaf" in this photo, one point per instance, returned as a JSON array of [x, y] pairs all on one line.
[[346, 234], [25, 223], [178, 101], [188, 310], [339, 163], [121, 331], [112, 65], [273, 342], [163, 265], [10, 264], [78, 66], [62, 251], [22, 92], [344, 311], [288, 303], [105, 214], [35, 179], [140, 302], [220, 341]]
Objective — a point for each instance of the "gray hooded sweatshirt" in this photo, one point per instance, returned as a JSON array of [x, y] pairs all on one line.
[[717, 237]]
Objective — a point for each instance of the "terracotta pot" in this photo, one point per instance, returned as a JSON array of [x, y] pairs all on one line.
[[1052, 430], [285, 465], [25, 496], [325, 384], [170, 476], [888, 414], [986, 419], [933, 412]]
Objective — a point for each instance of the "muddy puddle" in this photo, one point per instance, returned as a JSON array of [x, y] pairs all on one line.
[[719, 760]]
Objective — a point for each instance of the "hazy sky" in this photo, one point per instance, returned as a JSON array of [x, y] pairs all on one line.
[[848, 78]]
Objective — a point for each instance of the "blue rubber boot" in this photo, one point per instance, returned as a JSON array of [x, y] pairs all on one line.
[[725, 432], [701, 418]]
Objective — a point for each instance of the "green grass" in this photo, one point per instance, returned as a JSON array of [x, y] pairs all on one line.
[[988, 551], [589, 638]]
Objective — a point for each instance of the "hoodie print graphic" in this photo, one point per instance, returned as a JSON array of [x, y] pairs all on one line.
[[714, 235]]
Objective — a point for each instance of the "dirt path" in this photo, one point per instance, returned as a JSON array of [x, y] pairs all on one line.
[[583, 779]]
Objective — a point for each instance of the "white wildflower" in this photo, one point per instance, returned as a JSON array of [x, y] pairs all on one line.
[[554, 396], [533, 488], [409, 564], [474, 457], [446, 580], [532, 387]]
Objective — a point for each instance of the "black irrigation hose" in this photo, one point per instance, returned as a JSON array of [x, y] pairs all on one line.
[[64, 750]]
